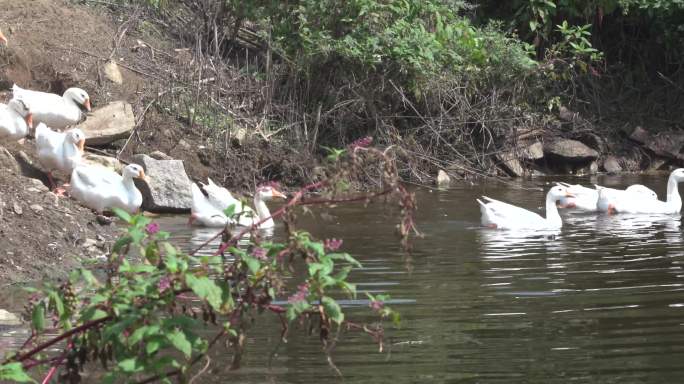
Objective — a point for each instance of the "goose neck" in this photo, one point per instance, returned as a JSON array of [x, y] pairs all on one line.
[[552, 215], [673, 196], [262, 211]]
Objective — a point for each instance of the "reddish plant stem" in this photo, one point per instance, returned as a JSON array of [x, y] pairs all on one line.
[[59, 338], [57, 363]]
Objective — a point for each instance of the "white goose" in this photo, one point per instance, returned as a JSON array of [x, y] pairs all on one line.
[[586, 199], [55, 111], [634, 203], [3, 39], [59, 150], [15, 120], [208, 213], [100, 188], [203, 212], [500, 215], [221, 199]]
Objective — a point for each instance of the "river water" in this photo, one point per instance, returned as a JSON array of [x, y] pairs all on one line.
[[600, 302]]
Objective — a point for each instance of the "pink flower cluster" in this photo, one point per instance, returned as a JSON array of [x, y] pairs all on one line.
[[332, 245], [376, 305], [152, 228], [259, 253], [363, 142], [164, 284], [300, 295]]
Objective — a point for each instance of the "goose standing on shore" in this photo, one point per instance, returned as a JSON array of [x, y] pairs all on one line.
[[57, 112], [59, 150], [634, 203], [15, 120], [500, 215], [100, 188]]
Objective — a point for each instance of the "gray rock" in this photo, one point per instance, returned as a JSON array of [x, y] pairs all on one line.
[[112, 122], [167, 188], [7, 161], [612, 165], [17, 208], [533, 151], [36, 208], [510, 164], [9, 318], [640, 135], [112, 72], [570, 150], [159, 155]]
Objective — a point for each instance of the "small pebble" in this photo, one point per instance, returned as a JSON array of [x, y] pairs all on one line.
[[36, 208], [17, 209]]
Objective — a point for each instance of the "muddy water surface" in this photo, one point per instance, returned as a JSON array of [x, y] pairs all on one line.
[[601, 301]]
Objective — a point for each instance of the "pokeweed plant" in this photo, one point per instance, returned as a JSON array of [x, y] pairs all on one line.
[[144, 319]]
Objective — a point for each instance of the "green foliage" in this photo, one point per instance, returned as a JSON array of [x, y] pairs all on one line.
[[411, 38], [14, 372], [146, 317]]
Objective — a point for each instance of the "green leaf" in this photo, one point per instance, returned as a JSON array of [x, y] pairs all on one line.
[[93, 313], [180, 342], [14, 372], [123, 215], [206, 289], [252, 263], [130, 365], [332, 309], [38, 317], [121, 243], [345, 257]]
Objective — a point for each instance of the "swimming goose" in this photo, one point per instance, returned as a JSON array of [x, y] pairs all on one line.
[[221, 199], [586, 199], [100, 188], [500, 215], [55, 111], [59, 150], [15, 120], [204, 212], [612, 202]]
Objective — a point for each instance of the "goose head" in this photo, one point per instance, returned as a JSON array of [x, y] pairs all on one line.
[[267, 192], [78, 96], [134, 171], [77, 137], [557, 193], [3, 39], [678, 175], [21, 107]]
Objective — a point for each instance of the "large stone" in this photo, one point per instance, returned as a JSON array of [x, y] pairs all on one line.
[[8, 318], [107, 124], [612, 165], [167, 188], [533, 151], [112, 72], [7, 161], [510, 164], [665, 144], [571, 150]]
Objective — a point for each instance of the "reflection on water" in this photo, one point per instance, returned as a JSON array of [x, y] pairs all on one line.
[[601, 301]]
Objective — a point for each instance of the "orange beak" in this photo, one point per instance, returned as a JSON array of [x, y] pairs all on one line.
[[3, 39], [568, 194], [29, 120], [81, 145], [277, 193], [86, 104], [141, 175]]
